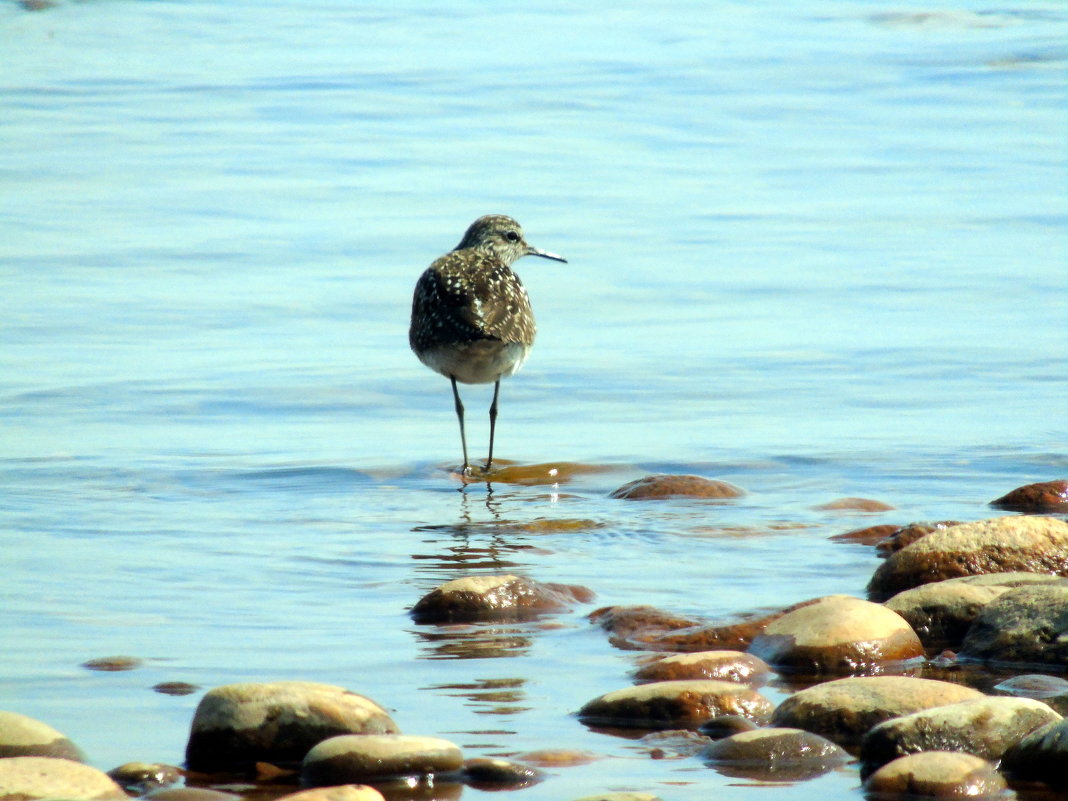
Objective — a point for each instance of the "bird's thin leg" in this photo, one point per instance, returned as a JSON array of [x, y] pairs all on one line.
[[493, 419], [460, 417]]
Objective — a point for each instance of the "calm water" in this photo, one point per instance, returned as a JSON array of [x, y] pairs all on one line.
[[816, 249]]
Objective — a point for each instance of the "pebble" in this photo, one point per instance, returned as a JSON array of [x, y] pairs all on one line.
[[1044, 497], [237, 725], [985, 727], [113, 663], [660, 486], [735, 666], [869, 535], [942, 612], [175, 688], [671, 704], [343, 792], [1025, 625], [998, 545], [844, 710], [936, 774], [140, 777], [854, 505], [558, 757], [484, 773], [649, 628], [24, 778], [360, 757], [1041, 756], [837, 634], [25, 736], [495, 598], [775, 754]]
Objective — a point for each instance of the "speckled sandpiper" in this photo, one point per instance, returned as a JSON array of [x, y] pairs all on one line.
[[471, 317]]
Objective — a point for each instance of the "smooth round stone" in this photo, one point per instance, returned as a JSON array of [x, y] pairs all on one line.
[[844, 710], [238, 725], [175, 688], [495, 598], [353, 758], [344, 792], [23, 778], [620, 797], [906, 535], [942, 612], [999, 545], [25, 736], [140, 777], [1044, 497], [733, 666], [558, 757], [113, 663], [670, 704], [836, 634], [658, 487], [869, 535], [936, 774], [1041, 756], [854, 505], [725, 726], [1025, 625], [191, 794], [985, 727], [484, 773], [775, 754]]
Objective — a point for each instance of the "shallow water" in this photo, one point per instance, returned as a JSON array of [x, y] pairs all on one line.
[[816, 250]]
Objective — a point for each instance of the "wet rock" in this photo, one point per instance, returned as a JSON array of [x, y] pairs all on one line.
[[639, 624], [671, 704], [835, 635], [726, 725], [1042, 498], [175, 688], [844, 710], [191, 794], [352, 758], [734, 636], [773, 754], [673, 743], [942, 612], [1041, 756], [484, 773], [1051, 689], [23, 778], [1026, 625], [661, 486], [721, 665], [906, 535], [344, 792], [495, 598], [24, 736], [985, 727], [935, 774], [113, 663], [620, 797], [558, 757], [854, 505], [999, 545], [869, 535], [141, 777], [237, 725]]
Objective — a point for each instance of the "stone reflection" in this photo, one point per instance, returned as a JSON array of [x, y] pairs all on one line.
[[474, 641], [502, 696]]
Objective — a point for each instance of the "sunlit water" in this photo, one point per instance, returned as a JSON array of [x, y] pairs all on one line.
[[817, 250]]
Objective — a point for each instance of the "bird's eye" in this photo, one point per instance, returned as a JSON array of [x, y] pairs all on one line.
[[512, 236]]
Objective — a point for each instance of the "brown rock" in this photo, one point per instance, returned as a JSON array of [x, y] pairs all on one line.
[[906, 535], [140, 777], [344, 792], [936, 774], [495, 598], [238, 725], [23, 778], [837, 634], [866, 536], [484, 773], [734, 636], [942, 612], [1000, 545], [985, 727], [845, 709], [726, 725], [670, 486], [674, 704], [1040, 756], [1026, 625], [775, 754], [1043, 498], [359, 757], [23, 736], [854, 505], [721, 665], [113, 663]]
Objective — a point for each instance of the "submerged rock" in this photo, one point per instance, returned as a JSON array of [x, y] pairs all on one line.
[[658, 487], [1041, 756], [673, 704], [1042, 498], [1026, 625], [720, 665], [495, 598], [238, 725], [854, 505], [775, 754], [344, 792], [906, 535], [999, 545], [484, 773], [836, 634], [936, 774], [352, 758]]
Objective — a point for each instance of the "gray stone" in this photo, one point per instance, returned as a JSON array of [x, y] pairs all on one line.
[[1041, 756], [362, 757], [1026, 625]]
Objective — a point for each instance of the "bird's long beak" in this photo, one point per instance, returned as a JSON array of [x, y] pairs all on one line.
[[545, 254]]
